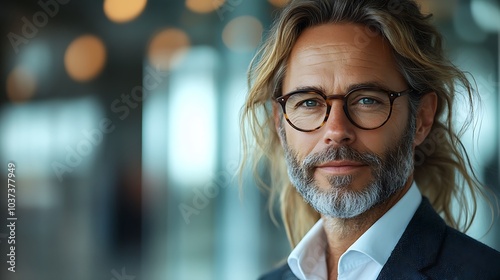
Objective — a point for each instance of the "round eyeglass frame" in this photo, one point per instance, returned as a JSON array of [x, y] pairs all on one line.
[[391, 94]]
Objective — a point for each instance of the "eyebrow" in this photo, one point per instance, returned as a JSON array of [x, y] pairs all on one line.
[[348, 89], [308, 88]]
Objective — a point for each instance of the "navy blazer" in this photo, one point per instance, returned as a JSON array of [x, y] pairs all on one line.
[[429, 249]]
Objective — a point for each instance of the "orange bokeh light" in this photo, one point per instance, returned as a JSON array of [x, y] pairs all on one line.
[[21, 85], [279, 3], [204, 6], [167, 48], [242, 34], [85, 58], [121, 11]]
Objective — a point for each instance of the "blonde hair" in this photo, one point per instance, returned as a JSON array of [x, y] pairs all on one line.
[[442, 173]]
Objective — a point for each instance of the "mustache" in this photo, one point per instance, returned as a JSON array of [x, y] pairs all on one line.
[[332, 153]]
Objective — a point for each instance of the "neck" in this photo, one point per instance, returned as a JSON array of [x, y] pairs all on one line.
[[342, 233]]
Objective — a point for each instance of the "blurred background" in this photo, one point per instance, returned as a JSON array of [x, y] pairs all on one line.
[[121, 117]]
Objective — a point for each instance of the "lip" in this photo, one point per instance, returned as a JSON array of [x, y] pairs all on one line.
[[340, 167]]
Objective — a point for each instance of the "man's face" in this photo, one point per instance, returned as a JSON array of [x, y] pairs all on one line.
[[342, 170]]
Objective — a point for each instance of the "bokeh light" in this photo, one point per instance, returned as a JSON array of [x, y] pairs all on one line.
[[486, 14], [440, 10], [204, 6], [242, 34], [279, 3], [467, 29], [85, 58], [167, 48], [121, 11], [21, 85]]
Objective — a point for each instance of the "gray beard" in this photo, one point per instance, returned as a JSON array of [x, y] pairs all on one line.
[[389, 173]]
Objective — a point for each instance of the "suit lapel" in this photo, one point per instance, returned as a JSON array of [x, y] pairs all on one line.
[[418, 247]]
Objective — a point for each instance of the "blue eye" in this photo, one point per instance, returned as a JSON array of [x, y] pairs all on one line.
[[367, 101], [310, 103]]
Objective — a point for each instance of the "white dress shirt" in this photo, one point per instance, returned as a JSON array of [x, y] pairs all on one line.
[[366, 257]]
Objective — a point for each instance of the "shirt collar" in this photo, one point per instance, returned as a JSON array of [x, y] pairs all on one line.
[[307, 260], [381, 238]]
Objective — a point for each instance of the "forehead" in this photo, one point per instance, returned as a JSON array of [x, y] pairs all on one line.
[[336, 56]]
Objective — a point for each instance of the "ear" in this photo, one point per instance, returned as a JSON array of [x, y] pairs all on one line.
[[425, 117]]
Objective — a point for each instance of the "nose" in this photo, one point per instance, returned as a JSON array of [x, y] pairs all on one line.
[[338, 129]]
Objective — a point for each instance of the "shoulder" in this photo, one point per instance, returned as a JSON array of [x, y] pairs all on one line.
[[429, 248], [455, 247], [456, 240], [466, 254], [281, 273]]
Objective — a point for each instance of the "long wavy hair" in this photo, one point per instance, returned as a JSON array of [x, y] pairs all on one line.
[[442, 170]]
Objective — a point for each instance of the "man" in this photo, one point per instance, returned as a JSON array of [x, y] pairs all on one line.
[[344, 95]]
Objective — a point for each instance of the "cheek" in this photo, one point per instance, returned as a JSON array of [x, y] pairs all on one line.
[[300, 142], [374, 141], [377, 143]]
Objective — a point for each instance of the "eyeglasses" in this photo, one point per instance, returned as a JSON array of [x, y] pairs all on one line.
[[365, 107]]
